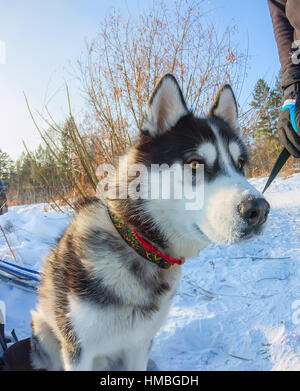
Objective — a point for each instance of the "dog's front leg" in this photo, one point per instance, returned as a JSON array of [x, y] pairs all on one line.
[[81, 361], [136, 358]]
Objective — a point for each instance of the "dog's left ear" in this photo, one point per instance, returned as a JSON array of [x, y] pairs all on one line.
[[225, 107], [165, 107]]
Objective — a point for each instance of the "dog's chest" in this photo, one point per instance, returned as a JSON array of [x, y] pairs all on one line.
[[116, 327]]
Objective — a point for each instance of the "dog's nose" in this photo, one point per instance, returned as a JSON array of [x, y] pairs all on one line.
[[254, 210]]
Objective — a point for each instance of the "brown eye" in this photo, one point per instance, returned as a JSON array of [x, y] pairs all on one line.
[[195, 164], [241, 164]]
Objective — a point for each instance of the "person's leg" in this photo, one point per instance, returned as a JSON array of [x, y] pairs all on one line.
[[17, 357], [292, 10]]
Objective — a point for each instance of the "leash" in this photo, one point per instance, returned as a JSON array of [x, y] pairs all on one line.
[[280, 162], [289, 104], [21, 273]]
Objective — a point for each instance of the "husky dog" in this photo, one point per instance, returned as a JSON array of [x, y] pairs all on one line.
[[100, 301]]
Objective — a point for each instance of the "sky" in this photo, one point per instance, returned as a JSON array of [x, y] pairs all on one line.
[[44, 39]]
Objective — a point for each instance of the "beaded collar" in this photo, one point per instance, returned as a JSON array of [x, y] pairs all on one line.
[[142, 246]]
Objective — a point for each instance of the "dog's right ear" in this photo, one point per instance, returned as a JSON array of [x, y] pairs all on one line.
[[225, 107], [165, 107]]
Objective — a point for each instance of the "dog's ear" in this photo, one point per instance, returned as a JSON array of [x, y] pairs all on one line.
[[225, 107], [165, 107]]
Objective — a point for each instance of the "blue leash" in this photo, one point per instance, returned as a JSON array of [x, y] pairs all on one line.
[[20, 272], [21, 268]]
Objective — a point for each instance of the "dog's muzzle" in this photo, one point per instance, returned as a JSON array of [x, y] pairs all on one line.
[[254, 211]]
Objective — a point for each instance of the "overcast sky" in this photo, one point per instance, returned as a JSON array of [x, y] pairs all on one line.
[[43, 37]]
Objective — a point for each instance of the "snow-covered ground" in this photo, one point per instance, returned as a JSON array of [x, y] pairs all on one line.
[[237, 307]]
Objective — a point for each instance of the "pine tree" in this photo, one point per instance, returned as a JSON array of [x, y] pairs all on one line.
[[6, 166], [264, 143], [266, 105]]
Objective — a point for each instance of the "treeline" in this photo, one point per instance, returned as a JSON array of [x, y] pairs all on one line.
[[35, 178], [60, 171]]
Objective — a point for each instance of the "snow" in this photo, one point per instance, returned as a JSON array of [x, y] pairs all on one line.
[[31, 232], [237, 307]]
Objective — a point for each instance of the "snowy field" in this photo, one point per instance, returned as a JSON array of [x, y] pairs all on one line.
[[237, 307]]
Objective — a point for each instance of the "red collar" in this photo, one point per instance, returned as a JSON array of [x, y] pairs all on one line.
[[142, 247]]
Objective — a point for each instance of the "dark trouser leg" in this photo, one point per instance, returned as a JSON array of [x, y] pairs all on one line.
[[17, 357], [292, 10]]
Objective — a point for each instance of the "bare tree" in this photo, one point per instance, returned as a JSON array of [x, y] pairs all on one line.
[[127, 58]]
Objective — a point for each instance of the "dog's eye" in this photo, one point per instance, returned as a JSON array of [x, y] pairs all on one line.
[[241, 163], [195, 164]]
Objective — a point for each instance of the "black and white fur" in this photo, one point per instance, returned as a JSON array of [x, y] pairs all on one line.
[[100, 303]]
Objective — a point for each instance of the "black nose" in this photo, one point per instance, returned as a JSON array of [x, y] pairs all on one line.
[[254, 210]]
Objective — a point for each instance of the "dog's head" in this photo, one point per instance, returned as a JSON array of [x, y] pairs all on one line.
[[230, 209]]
